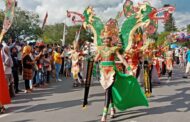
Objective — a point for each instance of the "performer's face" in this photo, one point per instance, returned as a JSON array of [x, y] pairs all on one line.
[[107, 42]]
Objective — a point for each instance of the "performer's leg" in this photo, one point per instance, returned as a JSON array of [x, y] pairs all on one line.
[[170, 74], [108, 95], [150, 81], [81, 78], [112, 106], [75, 84]]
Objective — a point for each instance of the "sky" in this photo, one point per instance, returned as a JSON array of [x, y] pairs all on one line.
[[105, 9]]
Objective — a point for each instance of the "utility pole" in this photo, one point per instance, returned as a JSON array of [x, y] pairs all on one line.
[[64, 33]]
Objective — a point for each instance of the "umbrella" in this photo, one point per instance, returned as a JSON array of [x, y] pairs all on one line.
[[173, 46]]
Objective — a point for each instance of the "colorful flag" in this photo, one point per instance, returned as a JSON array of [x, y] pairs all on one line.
[[9, 15]]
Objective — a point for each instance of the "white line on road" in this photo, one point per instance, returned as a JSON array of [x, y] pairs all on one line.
[[24, 109]]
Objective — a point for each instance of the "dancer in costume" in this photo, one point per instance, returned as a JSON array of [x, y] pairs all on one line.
[[155, 73], [169, 62], [75, 57], [106, 55], [147, 73], [125, 92]]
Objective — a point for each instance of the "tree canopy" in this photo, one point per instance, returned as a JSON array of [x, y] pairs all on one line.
[[54, 33], [25, 23]]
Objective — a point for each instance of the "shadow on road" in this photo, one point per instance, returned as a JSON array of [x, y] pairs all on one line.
[[179, 102], [26, 120]]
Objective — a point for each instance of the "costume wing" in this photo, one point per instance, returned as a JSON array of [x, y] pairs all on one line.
[[94, 25]]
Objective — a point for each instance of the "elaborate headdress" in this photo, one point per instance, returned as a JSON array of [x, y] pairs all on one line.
[[111, 30]]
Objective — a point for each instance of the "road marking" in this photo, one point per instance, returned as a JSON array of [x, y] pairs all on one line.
[[4, 115], [17, 111], [133, 121]]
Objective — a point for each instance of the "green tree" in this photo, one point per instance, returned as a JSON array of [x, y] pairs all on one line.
[[25, 23], [54, 33], [188, 28], [1, 19], [162, 38]]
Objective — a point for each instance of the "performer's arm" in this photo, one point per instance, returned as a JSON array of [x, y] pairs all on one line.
[[122, 59], [97, 57]]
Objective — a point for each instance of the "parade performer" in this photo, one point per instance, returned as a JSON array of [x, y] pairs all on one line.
[[147, 72], [155, 73], [4, 92], [125, 92], [119, 88], [169, 62], [75, 56]]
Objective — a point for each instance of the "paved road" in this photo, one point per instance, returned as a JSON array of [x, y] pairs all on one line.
[[61, 103]]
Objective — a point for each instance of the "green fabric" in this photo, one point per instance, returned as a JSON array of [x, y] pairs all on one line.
[[127, 92], [107, 63]]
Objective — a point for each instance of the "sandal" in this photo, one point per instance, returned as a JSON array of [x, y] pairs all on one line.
[[112, 114], [104, 115]]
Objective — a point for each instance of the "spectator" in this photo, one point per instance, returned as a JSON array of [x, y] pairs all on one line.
[[19, 56], [177, 53], [47, 64], [27, 68], [58, 62], [15, 69], [188, 64], [7, 64]]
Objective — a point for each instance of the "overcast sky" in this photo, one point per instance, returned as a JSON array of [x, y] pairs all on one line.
[[103, 8]]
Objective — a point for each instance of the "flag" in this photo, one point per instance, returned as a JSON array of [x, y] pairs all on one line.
[[45, 20], [9, 15]]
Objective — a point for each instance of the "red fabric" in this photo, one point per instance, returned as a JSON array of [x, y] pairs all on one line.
[[4, 92]]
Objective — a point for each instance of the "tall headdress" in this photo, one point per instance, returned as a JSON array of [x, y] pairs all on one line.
[[111, 30]]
